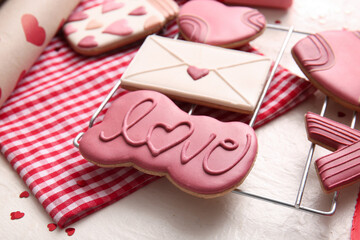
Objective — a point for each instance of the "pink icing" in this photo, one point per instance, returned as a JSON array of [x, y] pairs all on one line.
[[77, 16], [200, 154], [138, 11], [119, 27], [328, 133], [340, 168], [197, 73], [330, 59], [109, 6], [88, 42], [283, 4], [34, 33], [69, 29], [214, 23]]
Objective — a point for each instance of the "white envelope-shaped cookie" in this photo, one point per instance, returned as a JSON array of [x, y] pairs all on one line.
[[198, 73]]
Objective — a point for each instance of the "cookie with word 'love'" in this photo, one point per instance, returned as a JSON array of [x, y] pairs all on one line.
[[116, 23], [199, 154], [212, 22], [330, 61]]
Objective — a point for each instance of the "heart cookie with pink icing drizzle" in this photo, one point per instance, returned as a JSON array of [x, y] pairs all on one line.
[[212, 22], [200, 155]]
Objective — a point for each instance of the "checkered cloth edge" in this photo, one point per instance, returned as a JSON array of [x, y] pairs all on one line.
[[54, 102]]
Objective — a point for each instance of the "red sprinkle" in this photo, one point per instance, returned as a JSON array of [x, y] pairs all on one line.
[[341, 114], [70, 231], [81, 183], [51, 226], [16, 215], [24, 194], [277, 21]]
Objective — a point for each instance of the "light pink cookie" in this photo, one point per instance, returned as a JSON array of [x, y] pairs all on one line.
[[330, 61], [282, 4], [117, 23], [211, 22], [200, 155]]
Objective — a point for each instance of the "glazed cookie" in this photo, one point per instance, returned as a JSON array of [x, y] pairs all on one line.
[[198, 73], [211, 22], [117, 23], [330, 61], [199, 154], [340, 168], [328, 133], [283, 4]]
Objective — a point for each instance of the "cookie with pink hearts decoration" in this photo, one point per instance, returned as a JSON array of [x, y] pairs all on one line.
[[116, 23], [212, 22], [330, 61], [199, 154]]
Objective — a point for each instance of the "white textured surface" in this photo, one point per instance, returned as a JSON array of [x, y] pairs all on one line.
[[160, 211]]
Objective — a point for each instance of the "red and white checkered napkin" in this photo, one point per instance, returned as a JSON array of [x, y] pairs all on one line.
[[54, 102]]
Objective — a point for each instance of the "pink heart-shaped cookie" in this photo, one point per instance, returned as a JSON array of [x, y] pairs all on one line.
[[214, 23], [197, 73], [119, 27], [34, 33]]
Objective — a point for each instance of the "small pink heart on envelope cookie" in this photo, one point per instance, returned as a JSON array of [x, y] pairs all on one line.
[[197, 73], [119, 27], [34, 33]]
